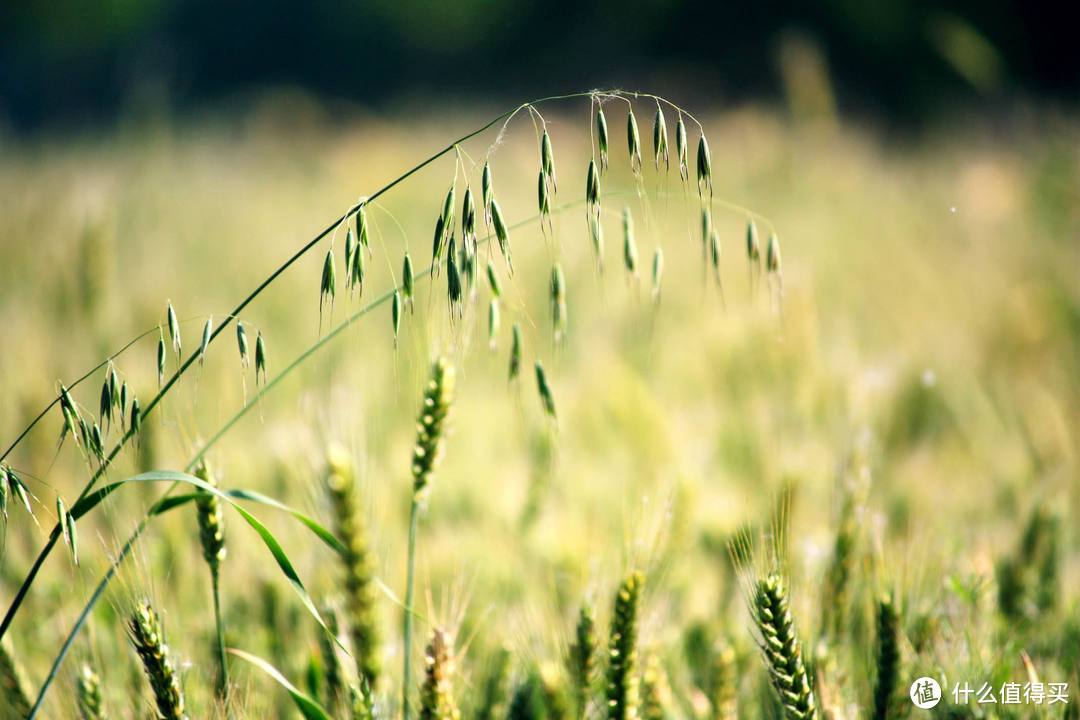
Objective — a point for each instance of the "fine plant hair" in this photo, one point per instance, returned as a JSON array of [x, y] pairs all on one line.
[[12, 682], [781, 649], [437, 690], [582, 660], [148, 640], [622, 671], [358, 566], [492, 704], [887, 659], [212, 538], [430, 429], [88, 686]]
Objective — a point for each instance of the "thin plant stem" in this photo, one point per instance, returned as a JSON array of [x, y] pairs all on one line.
[[223, 667], [410, 572]]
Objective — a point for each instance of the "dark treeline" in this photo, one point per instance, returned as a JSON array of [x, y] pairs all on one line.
[[65, 61]]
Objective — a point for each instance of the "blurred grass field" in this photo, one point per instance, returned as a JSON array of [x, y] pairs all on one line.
[[924, 357]]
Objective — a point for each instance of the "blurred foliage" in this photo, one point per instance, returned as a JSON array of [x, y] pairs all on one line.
[[902, 59]]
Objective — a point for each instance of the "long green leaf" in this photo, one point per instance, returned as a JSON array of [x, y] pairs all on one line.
[[310, 709]]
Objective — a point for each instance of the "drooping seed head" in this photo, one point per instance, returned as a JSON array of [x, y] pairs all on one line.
[[211, 520], [622, 681], [350, 251], [753, 245], [515, 352], [547, 161], [242, 344], [67, 529], [430, 425], [592, 188], [543, 201], [161, 360], [17, 490], [436, 689], [174, 327], [448, 211], [487, 191], [208, 330], [328, 284], [362, 228], [437, 243], [602, 137], [630, 256], [558, 302], [772, 254], [148, 640], [359, 272], [704, 166], [260, 357], [136, 416], [502, 234], [633, 141], [453, 277], [493, 323], [547, 398], [105, 403], [660, 141], [407, 279], [681, 148], [493, 280], [468, 221]]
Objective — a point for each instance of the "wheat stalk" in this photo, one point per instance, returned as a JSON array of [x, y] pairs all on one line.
[[781, 649], [622, 680], [89, 698], [437, 690]]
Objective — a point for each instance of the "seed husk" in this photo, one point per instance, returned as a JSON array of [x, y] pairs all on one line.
[[161, 360], [453, 277], [105, 404], [208, 330], [18, 490], [772, 254], [543, 201], [437, 244], [174, 328], [753, 245], [359, 271], [547, 399], [630, 257], [448, 212], [515, 351], [67, 529], [680, 148], [558, 302], [350, 249], [486, 192], [493, 280], [704, 166], [493, 323], [260, 357], [502, 234], [136, 416], [328, 285], [242, 344], [592, 187], [362, 228], [714, 252], [407, 280], [547, 161], [660, 141], [468, 224], [602, 137], [633, 142]]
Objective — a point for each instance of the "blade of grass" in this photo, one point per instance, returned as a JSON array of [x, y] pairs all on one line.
[[310, 709]]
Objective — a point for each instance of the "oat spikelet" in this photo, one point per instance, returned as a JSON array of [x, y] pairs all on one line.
[[358, 565], [547, 398], [781, 649], [622, 680], [558, 302], [680, 148], [437, 690], [144, 630], [602, 137], [633, 142]]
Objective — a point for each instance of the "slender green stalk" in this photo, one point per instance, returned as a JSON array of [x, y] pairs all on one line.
[[222, 687], [414, 516]]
